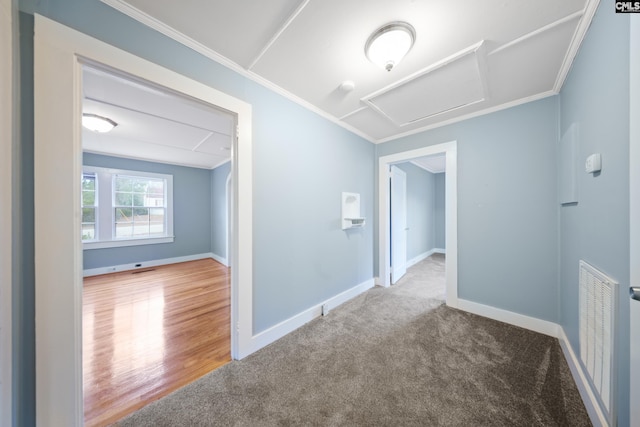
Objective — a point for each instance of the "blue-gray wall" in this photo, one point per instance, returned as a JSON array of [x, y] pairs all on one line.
[[219, 209], [191, 214], [440, 214], [507, 210], [596, 229], [421, 217]]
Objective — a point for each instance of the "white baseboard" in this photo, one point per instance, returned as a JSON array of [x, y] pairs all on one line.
[[598, 418], [144, 264], [221, 260], [276, 332], [413, 261], [527, 322]]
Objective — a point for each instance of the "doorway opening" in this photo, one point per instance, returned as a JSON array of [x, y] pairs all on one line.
[[417, 223], [156, 307], [449, 151], [59, 55]]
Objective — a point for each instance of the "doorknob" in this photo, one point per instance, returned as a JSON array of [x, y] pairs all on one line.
[[634, 293]]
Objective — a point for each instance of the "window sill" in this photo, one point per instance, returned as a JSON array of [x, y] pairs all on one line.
[[126, 242]]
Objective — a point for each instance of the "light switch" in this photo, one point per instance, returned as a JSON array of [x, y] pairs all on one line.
[[593, 163]]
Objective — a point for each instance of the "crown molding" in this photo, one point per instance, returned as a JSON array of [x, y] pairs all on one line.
[[489, 110], [578, 36]]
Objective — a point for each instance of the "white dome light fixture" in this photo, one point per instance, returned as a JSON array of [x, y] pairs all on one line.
[[389, 44], [97, 123]]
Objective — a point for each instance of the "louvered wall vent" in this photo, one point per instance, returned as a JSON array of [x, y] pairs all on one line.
[[597, 333]]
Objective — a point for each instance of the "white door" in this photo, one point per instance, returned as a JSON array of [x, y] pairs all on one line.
[[634, 219], [398, 223]]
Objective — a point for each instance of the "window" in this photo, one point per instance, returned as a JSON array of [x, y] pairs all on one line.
[[125, 208]]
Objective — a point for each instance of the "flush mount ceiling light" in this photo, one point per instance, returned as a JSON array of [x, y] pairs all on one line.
[[97, 123], [389, 44]]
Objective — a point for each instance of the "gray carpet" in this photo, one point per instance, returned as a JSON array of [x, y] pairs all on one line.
[[390, 357]]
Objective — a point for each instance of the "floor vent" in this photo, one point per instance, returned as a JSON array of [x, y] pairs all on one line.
[[597, 332]]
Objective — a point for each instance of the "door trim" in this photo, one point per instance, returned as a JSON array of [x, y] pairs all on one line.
[[8, 131], [58, 54], [634, 203], [451, 214]]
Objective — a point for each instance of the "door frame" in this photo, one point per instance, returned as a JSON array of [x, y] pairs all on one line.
[[451, 214], [59, 54], [634, 199], [8, 131]]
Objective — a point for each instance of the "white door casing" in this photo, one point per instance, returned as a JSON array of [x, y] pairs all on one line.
[[398, 224], [634, 218], [451, 214], [7, 122], [59, 53]]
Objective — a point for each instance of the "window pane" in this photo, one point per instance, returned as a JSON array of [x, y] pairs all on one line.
[[88, 215], [124, 215], [140, 229], [156, 188], [140, 185], [156, 228], [88, 198], [88, 231], [123, 184], [141, 215], [88, 181], [124, 199], [138, 199], [156, 215], [124, 229]]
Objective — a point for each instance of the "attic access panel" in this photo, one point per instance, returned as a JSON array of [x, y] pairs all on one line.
[[456, 82]]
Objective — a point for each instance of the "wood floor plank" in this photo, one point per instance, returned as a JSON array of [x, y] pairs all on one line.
[[148, 333]]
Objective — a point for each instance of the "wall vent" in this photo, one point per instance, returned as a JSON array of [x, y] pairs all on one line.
[[597, 333]]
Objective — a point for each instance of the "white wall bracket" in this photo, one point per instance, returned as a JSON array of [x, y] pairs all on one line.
[[351, 211]]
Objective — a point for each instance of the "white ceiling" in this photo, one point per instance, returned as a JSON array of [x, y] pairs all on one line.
[[154, 124], [469, 58]]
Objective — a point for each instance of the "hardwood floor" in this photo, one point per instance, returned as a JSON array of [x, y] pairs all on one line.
[[147, 333]]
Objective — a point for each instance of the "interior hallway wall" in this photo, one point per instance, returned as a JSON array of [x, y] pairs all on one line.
[[219, 208], [595, 96], [507, 205]]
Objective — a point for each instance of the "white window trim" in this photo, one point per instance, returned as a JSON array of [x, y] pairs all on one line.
[[104, 209]]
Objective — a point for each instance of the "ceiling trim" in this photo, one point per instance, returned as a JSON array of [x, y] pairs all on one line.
[[578, 36], [421, 166], [166, 30], [278, 33], [475, 49], [146, 159], [490, 110], [451, 58], [538, 31]]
